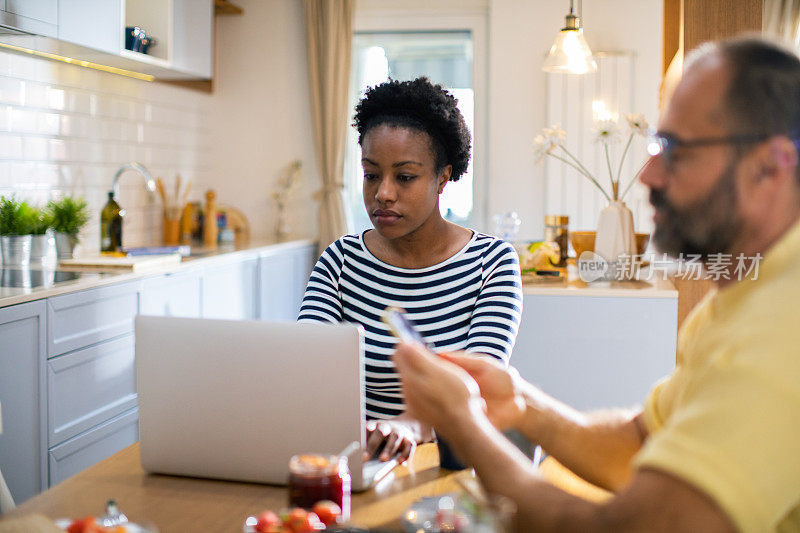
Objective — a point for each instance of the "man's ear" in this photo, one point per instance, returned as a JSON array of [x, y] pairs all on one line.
[[445, 177], [781, 157]]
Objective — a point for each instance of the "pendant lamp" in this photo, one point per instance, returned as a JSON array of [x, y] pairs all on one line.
[[570, 54]]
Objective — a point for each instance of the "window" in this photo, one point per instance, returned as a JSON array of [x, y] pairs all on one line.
[[446, 57]]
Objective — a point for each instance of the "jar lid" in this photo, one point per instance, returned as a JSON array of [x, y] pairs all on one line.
[[556, 220], [311, 464]]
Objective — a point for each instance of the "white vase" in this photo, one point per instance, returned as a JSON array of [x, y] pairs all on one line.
[[615, 237]]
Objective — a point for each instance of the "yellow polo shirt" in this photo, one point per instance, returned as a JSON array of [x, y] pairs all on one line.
[[727, 420]]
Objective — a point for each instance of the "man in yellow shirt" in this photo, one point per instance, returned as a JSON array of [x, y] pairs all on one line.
[[716, 446]]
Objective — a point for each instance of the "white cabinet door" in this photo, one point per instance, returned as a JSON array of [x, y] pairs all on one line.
[[596, 352], [91, 23], [230, 290], [44, 10], [34, 16], [172, 295], [193, 37], [22, 360], [283, 277]]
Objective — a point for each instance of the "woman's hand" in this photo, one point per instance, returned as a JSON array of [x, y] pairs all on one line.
[[396, 437], [505, 403]]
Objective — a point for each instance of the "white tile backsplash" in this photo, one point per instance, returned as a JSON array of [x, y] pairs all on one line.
[[66, 129]]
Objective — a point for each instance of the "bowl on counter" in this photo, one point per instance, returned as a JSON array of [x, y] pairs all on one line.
[[583, 241]]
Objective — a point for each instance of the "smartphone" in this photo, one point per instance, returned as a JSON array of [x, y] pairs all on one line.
[[401, 327]]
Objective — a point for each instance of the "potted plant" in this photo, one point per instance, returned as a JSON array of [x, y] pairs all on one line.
[[68, 215], [42, 234], [17, 220]]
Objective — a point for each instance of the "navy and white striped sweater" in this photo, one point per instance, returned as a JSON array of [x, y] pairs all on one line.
[[471, 301]]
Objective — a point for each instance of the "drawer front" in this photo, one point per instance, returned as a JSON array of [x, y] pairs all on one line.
[[81, 452], [172, 295], [88, 387], [83, 318]]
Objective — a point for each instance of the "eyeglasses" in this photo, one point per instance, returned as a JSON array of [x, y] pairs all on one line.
[[665, 144]]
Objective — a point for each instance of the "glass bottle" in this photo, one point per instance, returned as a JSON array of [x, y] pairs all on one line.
[[556, 229], [111, 225]]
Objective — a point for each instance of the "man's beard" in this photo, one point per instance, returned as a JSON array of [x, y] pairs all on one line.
[[706, 227]]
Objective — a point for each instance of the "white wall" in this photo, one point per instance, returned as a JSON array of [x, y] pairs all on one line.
[[261, 114]]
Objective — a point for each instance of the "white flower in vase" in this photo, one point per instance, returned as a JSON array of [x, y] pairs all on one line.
[[615, 234]]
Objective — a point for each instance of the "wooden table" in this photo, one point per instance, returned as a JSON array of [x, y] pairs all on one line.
[[177, 504]]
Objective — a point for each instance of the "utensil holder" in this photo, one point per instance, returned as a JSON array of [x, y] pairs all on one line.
[[172, 230]]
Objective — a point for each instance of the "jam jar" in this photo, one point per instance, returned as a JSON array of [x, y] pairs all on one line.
[[313, 478]]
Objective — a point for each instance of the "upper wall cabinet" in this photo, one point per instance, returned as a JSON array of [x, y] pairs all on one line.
[[34, 16], [177, 44], [178, 34]]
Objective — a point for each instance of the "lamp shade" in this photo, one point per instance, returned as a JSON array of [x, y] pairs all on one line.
[[570, 54]]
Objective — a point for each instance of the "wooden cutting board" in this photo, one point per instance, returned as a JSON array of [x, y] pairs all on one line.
[[133, 264]]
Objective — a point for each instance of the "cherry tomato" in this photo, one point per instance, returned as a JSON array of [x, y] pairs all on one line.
[[268, 522], [84, 525], [302, 521], [327, 511]]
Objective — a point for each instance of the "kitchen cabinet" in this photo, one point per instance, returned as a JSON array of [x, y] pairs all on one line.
[[22, 382], [175, 294], [597, 348], [283, 276], [193, 37], [91, 384], [67, 368], [34, 16], [230, 291], [94, 31], [100, 31]]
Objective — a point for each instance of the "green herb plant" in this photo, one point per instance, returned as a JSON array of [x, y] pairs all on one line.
[[42, 222], [17, 217], [68, 215]]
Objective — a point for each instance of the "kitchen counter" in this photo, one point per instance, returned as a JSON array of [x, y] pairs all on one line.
[[37, 283], [650, 284]]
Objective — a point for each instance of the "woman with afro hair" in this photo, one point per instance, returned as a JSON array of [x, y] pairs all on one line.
[[460, 288]]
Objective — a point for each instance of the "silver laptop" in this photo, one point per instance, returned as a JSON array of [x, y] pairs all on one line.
[[236, 399]]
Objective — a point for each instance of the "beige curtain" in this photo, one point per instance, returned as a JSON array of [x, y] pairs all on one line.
[[781, 20], [329, 35]]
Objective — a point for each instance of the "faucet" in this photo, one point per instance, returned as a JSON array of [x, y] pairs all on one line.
[[149, 182]]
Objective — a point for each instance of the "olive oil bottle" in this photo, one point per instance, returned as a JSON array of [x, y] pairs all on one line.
[[111, 225]]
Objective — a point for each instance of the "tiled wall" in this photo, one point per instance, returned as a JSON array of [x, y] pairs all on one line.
[[67, 129]]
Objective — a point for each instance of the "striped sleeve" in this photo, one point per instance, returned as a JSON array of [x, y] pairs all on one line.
[[321, 301], [498, 309]]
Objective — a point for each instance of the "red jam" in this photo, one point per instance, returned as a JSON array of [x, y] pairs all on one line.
[[313, 478]]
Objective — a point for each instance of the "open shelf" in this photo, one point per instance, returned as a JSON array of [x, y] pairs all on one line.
[[155, 18]]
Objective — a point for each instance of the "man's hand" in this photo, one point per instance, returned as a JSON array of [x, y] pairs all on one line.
[[436, 391], [505, 403]]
